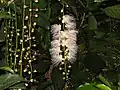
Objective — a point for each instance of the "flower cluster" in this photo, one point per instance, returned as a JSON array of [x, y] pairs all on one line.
[[65, 38]]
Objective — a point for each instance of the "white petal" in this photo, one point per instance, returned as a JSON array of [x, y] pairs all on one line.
[[55, 30]]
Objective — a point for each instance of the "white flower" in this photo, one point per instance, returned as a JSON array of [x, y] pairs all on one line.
[[69, 22], [55, 30], [72, 53], [67, 38], [71, 45], [55, 44], [54, 51]]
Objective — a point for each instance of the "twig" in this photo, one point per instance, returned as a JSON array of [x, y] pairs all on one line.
[[83, 18], [81, 3]]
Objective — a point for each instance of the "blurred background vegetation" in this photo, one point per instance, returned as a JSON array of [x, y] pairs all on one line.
[[98, 41]]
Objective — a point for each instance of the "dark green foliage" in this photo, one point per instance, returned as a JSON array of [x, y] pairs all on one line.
[[98, 41], [94, 63], [8, 79]]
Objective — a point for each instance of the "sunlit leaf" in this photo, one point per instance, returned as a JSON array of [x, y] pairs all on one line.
[[87, 87], [104, 80], [7, 69], [103, 87], [118, 88], [113, 11], [99, 1]]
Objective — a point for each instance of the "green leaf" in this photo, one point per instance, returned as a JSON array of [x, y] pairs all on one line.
[[113, 41], [82, 47], [119, 83], [99, 1], [118, 88], [104, 80], [92, 6], [7, 69], [103, 87], [8, 80], [48, 12], [113, 11], [20, 85], [99, 34], [87, 87], [43, 21], [92, 23], [5, 15]]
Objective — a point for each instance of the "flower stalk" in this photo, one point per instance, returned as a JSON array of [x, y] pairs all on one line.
[[16, 41], [22, 40]]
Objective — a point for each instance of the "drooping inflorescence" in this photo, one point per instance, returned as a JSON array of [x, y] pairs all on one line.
[[66, 38], [63, 46]]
